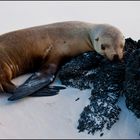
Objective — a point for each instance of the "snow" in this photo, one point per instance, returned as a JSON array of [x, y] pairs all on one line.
[[57, 116]]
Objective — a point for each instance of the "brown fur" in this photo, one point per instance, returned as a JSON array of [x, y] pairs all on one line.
[[26, 50]]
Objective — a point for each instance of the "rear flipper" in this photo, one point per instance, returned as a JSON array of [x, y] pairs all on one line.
[[48, 91], [31, 85]]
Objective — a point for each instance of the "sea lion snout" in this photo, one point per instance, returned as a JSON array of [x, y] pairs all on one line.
[[115, 57], [114, 53]]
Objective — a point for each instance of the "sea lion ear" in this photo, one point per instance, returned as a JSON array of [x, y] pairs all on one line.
[[96, 39]]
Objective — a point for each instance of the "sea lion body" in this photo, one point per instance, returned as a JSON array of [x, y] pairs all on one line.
[[44, 48], [21, 49]]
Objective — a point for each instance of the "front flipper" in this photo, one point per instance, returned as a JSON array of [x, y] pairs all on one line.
[[44, 77], [48, 91], [31, 85]]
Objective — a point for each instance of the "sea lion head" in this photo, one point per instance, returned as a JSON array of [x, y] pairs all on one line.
[[109, 42]]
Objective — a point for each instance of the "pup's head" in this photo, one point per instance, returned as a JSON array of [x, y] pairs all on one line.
[[109, 42]]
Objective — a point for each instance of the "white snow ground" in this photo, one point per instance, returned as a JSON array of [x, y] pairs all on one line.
[[57, 116]]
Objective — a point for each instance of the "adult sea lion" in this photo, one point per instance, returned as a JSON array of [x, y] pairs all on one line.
[[42, 49]]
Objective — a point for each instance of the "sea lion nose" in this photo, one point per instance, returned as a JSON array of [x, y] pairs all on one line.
[[115, 57]]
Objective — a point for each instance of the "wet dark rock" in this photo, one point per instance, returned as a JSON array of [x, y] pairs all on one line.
[[76, 72], [106, 89], [132, 83], [132, 76], [108, 80], [100, 113]]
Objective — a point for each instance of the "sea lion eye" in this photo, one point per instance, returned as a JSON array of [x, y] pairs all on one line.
[[102, 47], [97, 38]]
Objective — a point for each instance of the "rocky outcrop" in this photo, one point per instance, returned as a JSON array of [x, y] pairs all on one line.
[[108, 80]]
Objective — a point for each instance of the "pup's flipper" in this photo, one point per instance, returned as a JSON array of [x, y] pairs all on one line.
[[31, 85], [48, 91]]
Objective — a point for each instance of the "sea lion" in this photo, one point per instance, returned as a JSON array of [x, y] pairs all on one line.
[[42, 49]]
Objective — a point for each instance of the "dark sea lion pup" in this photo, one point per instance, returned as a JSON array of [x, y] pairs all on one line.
[[43, 49]]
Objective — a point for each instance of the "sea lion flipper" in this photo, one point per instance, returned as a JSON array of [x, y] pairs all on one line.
[[57, 87], [45, 93], [31, 85], [48, 91]]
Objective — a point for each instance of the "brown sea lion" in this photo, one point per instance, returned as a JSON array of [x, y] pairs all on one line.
[[42, 49]]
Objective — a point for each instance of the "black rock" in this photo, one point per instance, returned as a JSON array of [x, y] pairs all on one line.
[[108, 80], [106, 88], [132, 82], [76, 72], [100, 113]]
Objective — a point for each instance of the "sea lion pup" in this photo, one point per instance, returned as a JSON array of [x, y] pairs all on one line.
[[42, 49]]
